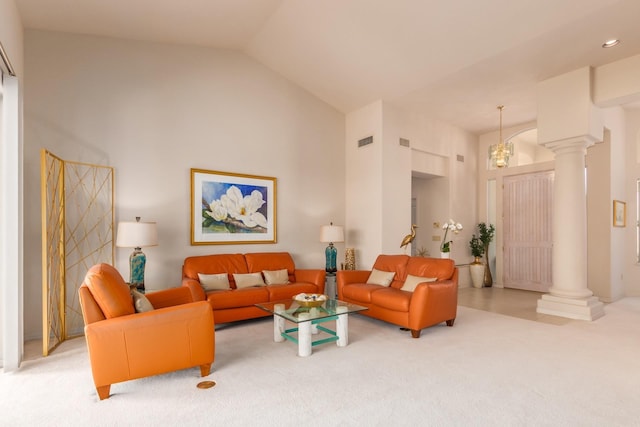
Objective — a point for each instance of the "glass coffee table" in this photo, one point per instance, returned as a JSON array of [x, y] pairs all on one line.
[[308, 320]]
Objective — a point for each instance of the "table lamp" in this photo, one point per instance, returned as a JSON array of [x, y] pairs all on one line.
[[330, 234], [137, 235]]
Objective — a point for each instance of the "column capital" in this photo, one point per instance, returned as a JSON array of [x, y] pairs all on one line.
[[573, 144]]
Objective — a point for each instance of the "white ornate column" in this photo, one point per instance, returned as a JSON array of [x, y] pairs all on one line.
[[568, 123], [569, 295]]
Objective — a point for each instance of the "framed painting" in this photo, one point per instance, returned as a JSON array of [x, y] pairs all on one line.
[[229, 208], [619, 214]]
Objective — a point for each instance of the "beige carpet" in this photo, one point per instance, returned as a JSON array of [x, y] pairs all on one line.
[[488, 370]]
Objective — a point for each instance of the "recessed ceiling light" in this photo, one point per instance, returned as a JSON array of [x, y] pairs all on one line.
[[610, 43]]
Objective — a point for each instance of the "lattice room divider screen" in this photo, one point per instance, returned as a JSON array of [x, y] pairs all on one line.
[[77, 232]]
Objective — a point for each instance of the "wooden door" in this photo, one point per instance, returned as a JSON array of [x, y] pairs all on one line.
[[527, 208]]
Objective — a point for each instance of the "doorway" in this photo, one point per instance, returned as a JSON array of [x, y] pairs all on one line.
[[527, 223], [428, 215]]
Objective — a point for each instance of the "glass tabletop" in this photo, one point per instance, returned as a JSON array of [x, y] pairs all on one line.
[[290, 309]]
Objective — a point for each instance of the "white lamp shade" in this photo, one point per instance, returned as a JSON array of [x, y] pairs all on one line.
[[136, 234], [331, 233]]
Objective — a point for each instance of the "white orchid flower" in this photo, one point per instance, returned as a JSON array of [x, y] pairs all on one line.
[[455, 227]]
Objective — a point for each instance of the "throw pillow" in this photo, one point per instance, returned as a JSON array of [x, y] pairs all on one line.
[[141, 302], [248, 280], [277, 277], [413, 281], [383, 278], [212, 282]]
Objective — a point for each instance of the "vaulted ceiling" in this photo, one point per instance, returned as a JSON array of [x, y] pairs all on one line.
[[455, 60]]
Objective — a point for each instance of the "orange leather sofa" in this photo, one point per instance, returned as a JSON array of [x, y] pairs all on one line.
[[233, 304], [429, 304], [125, 345]]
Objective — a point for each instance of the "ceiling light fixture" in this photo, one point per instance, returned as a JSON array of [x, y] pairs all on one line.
[[499, 153], [610, 43]]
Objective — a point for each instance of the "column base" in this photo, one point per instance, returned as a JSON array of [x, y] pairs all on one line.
[[580, 309]]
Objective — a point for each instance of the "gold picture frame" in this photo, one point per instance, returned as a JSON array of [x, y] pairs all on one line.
[[230, 208], [619, 213]]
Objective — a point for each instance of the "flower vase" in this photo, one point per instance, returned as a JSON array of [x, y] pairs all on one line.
[[488, 280], [350, 259], [446, 255], [476, 270]]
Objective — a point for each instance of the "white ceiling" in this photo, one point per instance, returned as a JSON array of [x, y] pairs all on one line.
[[453, 59]]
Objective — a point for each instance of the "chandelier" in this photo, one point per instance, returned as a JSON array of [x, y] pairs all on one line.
[[499, 153]]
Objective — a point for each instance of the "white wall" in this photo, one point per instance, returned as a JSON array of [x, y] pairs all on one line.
[[616, 84], [11, 189], [11, 34], [525, 152], [153, 111], [396, 182], [599, 218], [363, 184], [632, 163], [379, 184], [620, 255], [442, 139]]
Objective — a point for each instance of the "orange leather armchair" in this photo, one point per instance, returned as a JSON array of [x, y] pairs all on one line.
[[125, 345]]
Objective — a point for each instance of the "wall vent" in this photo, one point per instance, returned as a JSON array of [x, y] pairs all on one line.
[[365, 141], [404, 142], [460, 158]]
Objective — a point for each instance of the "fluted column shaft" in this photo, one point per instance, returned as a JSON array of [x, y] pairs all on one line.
[[569, 296], [570, 220]]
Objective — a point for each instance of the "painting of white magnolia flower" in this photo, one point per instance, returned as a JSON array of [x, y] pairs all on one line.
[[237, 213], [231, 208]]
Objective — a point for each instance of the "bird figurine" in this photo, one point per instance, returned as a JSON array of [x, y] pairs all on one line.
[[409, 237]]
